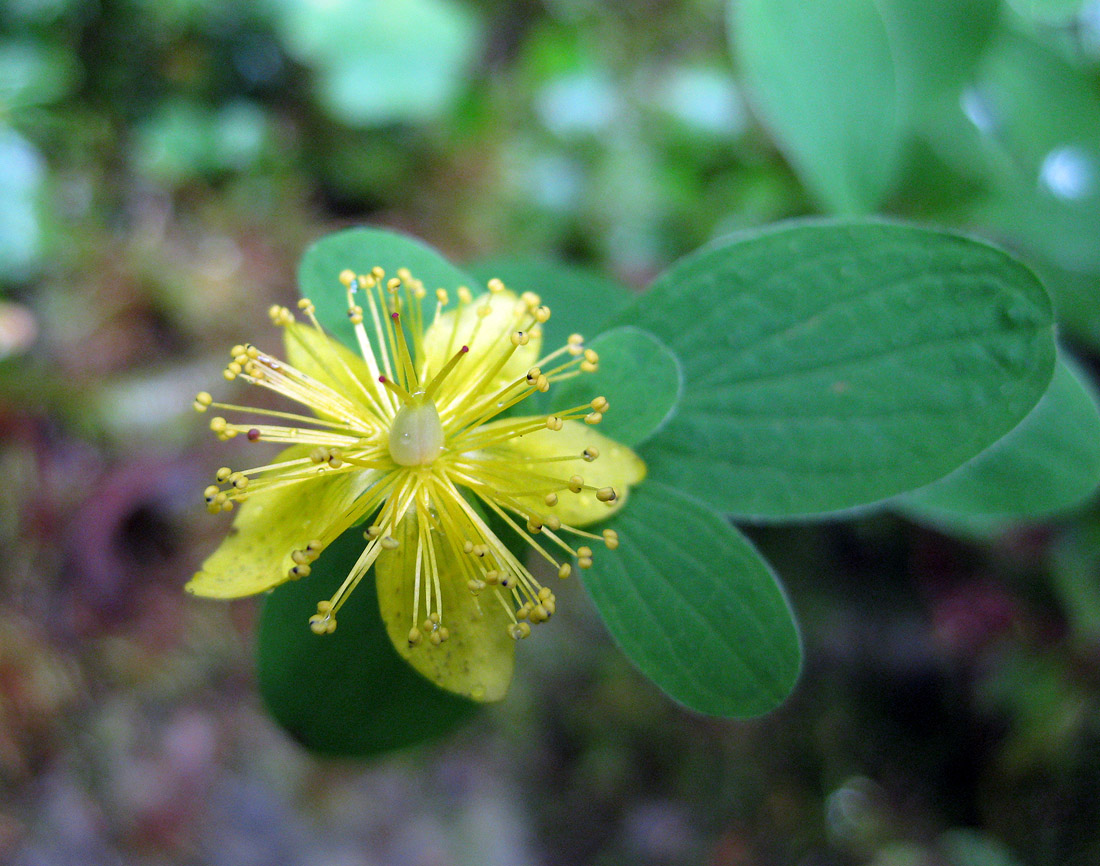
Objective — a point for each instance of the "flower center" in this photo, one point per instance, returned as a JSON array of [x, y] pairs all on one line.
[[416, 436]]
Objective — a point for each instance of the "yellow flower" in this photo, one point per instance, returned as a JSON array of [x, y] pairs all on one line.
[[405, 437]]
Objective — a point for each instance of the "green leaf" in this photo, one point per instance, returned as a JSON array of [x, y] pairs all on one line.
[[639, 376], [823, 79], [580, 300], [412, 71], [348, 693], [1049, 464], [361, 249], [831, 365], [936, 46], [692, 604], [1042, 143]]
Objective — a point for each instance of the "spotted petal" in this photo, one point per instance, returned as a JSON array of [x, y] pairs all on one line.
[[478, 657], [453, 329], [270, 525], [617, 466]]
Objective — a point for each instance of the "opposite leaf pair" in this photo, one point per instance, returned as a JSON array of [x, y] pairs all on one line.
[[799, 370]]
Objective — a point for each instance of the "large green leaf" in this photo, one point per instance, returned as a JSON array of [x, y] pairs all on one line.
[[641, 379], [935, 46], [693, 605], [580, 300], [347, 693], [360, 249], [1048, 464], [822, 77], [831, 365]]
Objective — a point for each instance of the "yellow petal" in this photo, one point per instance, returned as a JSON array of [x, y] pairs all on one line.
[[477, 658], [328, 361], [269, 526], [617, 466], [442, 339]]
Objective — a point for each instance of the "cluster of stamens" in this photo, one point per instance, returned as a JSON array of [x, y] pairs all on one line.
[[423, 435]]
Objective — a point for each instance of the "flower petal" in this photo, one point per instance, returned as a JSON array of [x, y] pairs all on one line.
[[617, 466], [328, 361], [255, 556], [478, 657], [442, 339]]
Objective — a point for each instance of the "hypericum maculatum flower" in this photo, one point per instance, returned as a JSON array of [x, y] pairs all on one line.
[[413, 438]]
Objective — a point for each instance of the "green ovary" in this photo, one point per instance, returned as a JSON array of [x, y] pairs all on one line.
[[416, 436]]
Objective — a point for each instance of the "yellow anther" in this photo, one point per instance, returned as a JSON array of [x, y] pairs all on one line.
[[210, 492], [347, 277], [222, 475], [299, 557], [576, 483], [323, 622], [611, 538], [389, 543], [298, 571], [442, 296], [475, 586], [483, 311], [600, 404], [590, 453], [495, 285], [551, 499], [553, 422], [607, 494], [534, 525], [507, 581], [467, 546], [530, 300], [593, 418], [393, 284], [202, 401], [415, 637], [533, 375], [492, 577], [377, 272], [553, 523], [542, 314], [305, 305], [519, 630], [519, 338], [405, 274], [589, 367], [373, 531], [584, 550], [464, 296], [565, 570], [543, 384], [480, 550], [217, 424]]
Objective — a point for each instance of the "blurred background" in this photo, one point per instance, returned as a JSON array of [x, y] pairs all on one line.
[[164, 163]]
